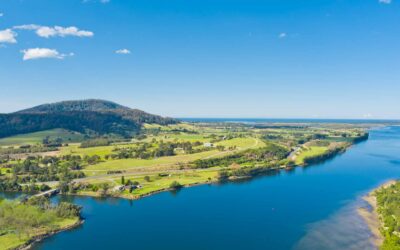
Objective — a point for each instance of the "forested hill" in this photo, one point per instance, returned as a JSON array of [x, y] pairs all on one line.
[[84, 116]]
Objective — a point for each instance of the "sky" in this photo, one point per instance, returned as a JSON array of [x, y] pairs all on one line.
[[205, 58]]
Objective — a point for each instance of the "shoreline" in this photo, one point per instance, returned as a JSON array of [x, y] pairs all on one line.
[[371, 216], [36, 239], [39, 238]]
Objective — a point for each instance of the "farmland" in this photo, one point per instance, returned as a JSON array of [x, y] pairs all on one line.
[[163, 157]]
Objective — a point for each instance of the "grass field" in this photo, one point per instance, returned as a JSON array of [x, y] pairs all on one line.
[[157, 183], [37, 137], [76, 150], [179, 137], [168, 161], [309, 151], [132, 164]]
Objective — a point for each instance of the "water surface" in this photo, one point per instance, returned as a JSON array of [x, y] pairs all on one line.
[[307, 208]]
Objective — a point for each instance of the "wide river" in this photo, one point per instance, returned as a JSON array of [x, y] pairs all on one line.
[[306, 208]]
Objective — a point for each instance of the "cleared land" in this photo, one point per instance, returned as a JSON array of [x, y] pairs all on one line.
[[38, 137], [309, 152], [165, 156]]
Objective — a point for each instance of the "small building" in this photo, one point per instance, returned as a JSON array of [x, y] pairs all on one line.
[[208, 144]]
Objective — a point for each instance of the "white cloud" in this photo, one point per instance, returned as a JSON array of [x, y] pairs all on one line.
[[45, 31], [282, 35], [123, 51], [40, 53], [27, 27], [1, 14], [8, 36], [385, 1]]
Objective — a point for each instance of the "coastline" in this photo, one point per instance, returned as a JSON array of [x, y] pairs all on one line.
[[371, 216]]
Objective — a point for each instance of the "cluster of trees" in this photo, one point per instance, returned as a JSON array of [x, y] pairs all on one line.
[[217, 138], [361, 137], [24, 149], [246, 171], [388, 200], [147, 150], [42, 169], [9, 185], [95, 143], [52, 142], [271, 152], [36, 213]]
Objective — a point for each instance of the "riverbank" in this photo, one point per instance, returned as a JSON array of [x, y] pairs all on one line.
[[22, 224], [161, 183], [371, 216], [19, 242], [36, 239]]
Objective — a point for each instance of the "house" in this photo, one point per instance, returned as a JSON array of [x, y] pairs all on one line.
[[208, 144]]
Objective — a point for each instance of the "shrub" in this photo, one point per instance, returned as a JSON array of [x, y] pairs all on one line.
[[175, 185]]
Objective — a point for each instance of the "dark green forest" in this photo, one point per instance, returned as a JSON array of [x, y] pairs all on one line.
[[87, 116]]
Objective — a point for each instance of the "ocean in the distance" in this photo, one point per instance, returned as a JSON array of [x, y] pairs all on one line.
[[288, 120]]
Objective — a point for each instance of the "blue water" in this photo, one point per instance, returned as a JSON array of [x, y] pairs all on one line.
[[307, 208], [289, 120]]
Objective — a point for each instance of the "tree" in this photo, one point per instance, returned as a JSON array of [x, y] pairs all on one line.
[[223, 175], [122, 180], [147, 178], [63, 186], [175, 185], [104, 188]]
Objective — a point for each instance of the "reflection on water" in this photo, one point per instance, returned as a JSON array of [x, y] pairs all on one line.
[[344, 230]]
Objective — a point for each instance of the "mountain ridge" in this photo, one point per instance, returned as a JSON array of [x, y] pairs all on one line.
[[75, 105], [85, 116]]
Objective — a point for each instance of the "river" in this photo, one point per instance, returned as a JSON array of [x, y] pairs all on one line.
[[306, 208]]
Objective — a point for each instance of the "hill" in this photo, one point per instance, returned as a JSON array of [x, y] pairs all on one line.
[[85, 116]]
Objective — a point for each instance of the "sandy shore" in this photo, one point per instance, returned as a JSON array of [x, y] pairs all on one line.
[[371, 216]]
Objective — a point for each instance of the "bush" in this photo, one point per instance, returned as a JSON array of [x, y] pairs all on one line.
[[175, 185], [67, 210]]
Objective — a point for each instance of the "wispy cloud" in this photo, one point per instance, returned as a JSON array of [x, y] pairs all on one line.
[[282, 35], [56, 31], [385, 1], [94, 1], [1, 14], [8, 36], [123, 51], [41, 53]]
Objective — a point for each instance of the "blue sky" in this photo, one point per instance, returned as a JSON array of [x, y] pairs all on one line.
[[203, 58]]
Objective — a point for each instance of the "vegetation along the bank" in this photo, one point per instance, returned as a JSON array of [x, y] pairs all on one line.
[[22, 223], [388, 202]]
